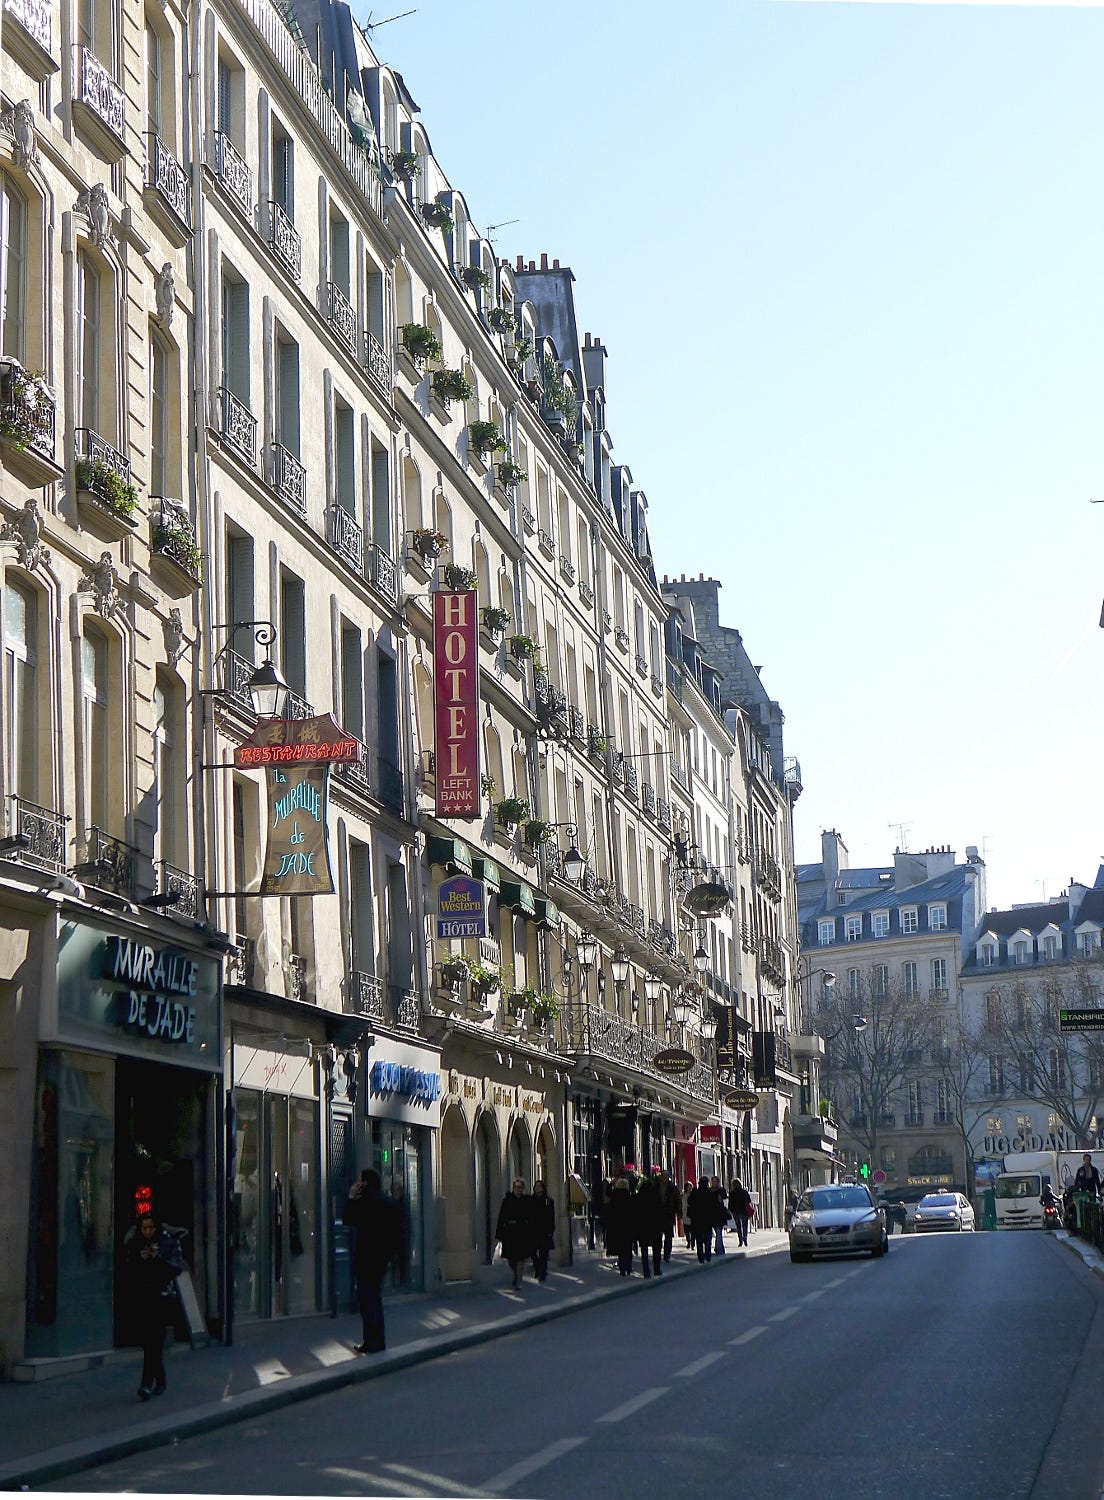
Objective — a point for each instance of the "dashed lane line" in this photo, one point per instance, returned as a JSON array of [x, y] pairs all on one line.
[[699, 1365], [749, 1334], [630, 1408], [782, 1314], [530, 1465]]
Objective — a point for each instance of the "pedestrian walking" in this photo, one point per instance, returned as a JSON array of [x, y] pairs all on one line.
[[620, 1225], [687, 1226], [515, 1229], [544, 1228], [701, 1210], [672, 1208], [649, 1223], [153, 1260], [720, 1219], [1087, 1179], [739, 1206], [375, 1220]]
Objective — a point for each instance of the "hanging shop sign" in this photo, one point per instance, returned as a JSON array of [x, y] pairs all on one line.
[[297, 755], [136, 996], [674, 1060], [742, 1099], [456, 704], [461, 908]]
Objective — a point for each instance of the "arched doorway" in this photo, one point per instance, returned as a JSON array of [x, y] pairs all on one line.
[[486, 1164], [519, 1155], [546, 1160], [456, 1192]]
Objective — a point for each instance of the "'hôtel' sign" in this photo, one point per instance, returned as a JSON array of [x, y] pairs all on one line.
[[456, 704]]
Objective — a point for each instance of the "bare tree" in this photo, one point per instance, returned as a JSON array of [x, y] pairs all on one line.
[[875, 1041], [962, 1066], [1062, 1069]]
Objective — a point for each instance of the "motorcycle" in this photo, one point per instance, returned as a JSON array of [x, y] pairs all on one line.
[[1052, 1216]]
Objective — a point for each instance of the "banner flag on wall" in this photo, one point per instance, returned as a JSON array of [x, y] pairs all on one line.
[[456, 704]]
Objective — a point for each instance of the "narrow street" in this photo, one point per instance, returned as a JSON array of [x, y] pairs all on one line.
[[959, 1366]]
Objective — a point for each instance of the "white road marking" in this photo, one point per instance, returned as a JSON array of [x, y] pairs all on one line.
[[269, 1371], [530, 1465], [838, 1281], [332, 1353], [448, 1486], [752, 1333], [785, 1312], [373, 1483], [812, 1296], [630, 1408], [699, 1365]]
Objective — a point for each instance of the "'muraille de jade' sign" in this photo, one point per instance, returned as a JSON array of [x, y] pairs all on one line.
[[296, 755]]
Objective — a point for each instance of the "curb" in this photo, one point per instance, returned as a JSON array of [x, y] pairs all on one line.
[[72, 1458]]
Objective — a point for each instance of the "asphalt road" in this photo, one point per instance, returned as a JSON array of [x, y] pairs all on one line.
[[958, 1366]]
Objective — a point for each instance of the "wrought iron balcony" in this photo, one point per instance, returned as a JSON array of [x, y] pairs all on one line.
[[567, 568], [37, 834], [364, 996], [546, 544], [621, 637], [233, 172], [648, 798], [289, 479], [347, 537], [285, 239], [383, 576], [172, 535], [586, 593], [241, 961], [109, 863], [406, 1010], [96, 92], [657, 685], [28, 411], [36, 19], [589, 1030], [663, 812], [104, 473], [182, 890], [632, 779], [168, 179], [239, 425], [390, 784], [355, 772], [576, 722], [340, 315], [297, 707], [641, 664], [377, 362]]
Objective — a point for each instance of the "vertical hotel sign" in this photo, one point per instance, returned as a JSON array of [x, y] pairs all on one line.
[[456, 704], [297, 755]]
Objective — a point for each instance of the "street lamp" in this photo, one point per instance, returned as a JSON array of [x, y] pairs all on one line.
[[683, 1008], [586, 949], [268, 689], [619, 966], [701, 957], [573, 863]]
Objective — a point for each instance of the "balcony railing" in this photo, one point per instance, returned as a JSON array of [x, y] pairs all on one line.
[[365, 996], [233, 171], [632, 778], [406, 1010], [377, 362], [28, 410], [297, 707], [648, 798], [182, 888], [38, 834], [241, 961], [340, 315], [642, 665], [663, 813], [347, 537], [914, 1120], [36, 19], [172, 535], [567, 568], [168, 178], [383, 578], [285, 239], [621, 637], [94, 87], [103, 472], [390, 784], [110, 864], [590, 1030], [355, 772], [239, 425]]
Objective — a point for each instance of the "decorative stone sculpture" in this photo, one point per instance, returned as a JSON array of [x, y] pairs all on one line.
[[94, 204], [165, 292], [25, 530], [102, 581], [19, 123]]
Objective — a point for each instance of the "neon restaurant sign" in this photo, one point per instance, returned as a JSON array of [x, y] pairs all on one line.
[[296, 755], [456, 704]]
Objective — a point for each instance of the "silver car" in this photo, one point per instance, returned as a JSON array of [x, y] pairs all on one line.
[[837, 1219], [944, 1211]]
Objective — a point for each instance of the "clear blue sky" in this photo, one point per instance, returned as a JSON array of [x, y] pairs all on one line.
[[848, 260]]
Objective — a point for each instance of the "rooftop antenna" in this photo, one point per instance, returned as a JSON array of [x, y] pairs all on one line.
[[371, 25], [503, 225], [902, 835]]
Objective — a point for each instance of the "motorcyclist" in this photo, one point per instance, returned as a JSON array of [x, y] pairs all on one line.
[[1051, 1212]]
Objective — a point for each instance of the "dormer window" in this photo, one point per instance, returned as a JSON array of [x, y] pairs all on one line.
[[1090, 944], [853, 929], [826, 931], [937, 918], [1050, 946], [910, 919], [1021, 951], [988, 955], [879, 924]]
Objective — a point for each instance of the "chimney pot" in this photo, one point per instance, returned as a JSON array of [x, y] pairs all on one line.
[[544, 260], [555, 265], [521, 263]]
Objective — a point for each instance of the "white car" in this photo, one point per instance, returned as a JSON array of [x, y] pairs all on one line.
[[944, 1211], [837, 1219]]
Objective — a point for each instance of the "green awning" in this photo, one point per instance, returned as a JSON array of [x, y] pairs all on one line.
[[453, 854], [516, 894], [487, 871], [548, 913]]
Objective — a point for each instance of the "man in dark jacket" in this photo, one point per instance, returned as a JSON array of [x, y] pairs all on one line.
[[649, 1223], [543, 1209], [702, 1208], [375, 1221], [672, 1207], [1087, 1179]]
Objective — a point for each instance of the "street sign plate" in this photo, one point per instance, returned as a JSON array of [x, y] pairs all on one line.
[[741, 1099], [673, 1060], [1081, 1020], [879, 1175]]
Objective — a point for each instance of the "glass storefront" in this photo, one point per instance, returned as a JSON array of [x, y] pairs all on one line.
[[399, 1155]]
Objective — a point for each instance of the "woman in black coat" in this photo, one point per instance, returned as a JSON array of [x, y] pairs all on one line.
[[544, 1228], [621, 1225], [515, 1229], [153, 1262]]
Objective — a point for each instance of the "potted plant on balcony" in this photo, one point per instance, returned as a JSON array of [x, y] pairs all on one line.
[[596, 743], [510, 474], [99, 478], [487, 785], [405, 165], [495, 620], [451, 385], [420, 342], [537, 832], [501, 320], [510, 812], [178, 543], [427, 543], [454, 971], [523, 348], [438, 216], [544, 1007], [523, 647], [474, 278], [460, 579], [485, 437], [26, 406]]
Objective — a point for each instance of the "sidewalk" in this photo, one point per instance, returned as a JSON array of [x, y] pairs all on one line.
[[53, 1428]]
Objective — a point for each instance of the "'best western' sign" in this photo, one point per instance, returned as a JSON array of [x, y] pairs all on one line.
[[456, 704]]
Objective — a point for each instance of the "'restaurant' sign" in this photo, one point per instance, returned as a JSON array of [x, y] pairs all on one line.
[[297, 755], [456, 704]]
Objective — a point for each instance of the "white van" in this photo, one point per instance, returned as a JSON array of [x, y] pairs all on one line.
[[1018, 1190]]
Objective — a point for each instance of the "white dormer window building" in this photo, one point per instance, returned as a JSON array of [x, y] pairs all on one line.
[[853, 929], [879, 924], [1050, 943], [1088, 940], [937, 917], [1020, 947], [826, 931], [910, 919], [988, 953]]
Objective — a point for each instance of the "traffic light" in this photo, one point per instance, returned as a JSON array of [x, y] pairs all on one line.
[[864, 1171]]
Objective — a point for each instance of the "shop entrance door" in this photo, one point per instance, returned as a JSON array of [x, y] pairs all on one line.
[[397, 1156]]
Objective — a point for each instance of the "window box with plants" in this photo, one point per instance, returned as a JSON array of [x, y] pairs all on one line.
[[405, 165], [510, 474], [522, 352], [523, 647], [420, 345], [427, 543], [537, 832], [438, 216], [510, 812], [484, 438], [541, 1005], [474, 278], [459, 579], [502, 321], [28, 414], [495, 620], [447, 386], [112, 494], [173, 540]]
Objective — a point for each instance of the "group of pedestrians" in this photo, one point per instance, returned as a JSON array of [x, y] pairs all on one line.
[[639, 1214], [526, 1229], [708, 1211]]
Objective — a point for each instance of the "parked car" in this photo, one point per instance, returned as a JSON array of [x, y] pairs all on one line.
[[942, 1211], [837, 1219]]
